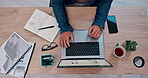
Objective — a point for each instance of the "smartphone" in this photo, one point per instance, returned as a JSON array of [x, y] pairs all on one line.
[[112, 24]]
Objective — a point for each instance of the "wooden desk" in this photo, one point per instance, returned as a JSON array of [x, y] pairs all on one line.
[[132, 24]]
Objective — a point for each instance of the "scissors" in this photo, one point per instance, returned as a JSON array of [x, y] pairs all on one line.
[[51, 46]]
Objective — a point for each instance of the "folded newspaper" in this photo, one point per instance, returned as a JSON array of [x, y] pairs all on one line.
[[13, 55]]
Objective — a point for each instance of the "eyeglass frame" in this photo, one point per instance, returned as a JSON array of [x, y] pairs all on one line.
[[48, 46]]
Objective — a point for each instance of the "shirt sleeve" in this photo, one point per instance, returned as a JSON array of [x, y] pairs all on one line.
[[61, 15], [102, 10]]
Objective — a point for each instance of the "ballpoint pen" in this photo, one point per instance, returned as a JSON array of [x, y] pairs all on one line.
[[46, 27]]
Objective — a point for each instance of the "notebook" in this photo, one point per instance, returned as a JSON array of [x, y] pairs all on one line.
[[40, 19]]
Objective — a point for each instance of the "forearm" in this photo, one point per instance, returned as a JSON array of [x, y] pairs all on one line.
[[102, 10], [61, 15]]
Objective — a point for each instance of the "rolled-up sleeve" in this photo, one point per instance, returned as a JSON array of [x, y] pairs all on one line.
[[61, 15], [102, 10]]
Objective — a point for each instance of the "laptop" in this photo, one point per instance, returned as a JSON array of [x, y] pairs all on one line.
[[85, 51]]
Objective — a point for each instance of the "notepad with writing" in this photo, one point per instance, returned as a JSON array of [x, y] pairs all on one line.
[[40, 19]]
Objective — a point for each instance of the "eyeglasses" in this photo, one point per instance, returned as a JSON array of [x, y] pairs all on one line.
[[49, 47]]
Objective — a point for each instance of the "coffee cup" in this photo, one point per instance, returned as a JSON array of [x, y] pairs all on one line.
[[119, 51]]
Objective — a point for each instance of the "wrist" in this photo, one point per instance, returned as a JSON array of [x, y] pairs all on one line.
[[62, 31], [66, 32], [101, 28]]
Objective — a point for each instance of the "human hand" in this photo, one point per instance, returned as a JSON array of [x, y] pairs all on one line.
[[65, 37], [95, 31]]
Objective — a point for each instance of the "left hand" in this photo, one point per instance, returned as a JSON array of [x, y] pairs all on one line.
[[95, 31]]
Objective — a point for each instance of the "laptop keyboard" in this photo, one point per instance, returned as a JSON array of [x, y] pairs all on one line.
[[83, 49]]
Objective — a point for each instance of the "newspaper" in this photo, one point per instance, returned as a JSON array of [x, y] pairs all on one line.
[[11, 51], [20, 69]]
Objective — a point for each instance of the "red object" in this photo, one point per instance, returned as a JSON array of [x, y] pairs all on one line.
[[119, 52]]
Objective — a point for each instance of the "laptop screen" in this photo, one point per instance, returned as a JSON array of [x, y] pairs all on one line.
[[83, 49]]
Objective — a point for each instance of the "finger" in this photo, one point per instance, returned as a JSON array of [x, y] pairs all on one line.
[[65, 43], [90, 30], [98, 35], [61, 42], [93, 32], [97, 32], [72, 38]]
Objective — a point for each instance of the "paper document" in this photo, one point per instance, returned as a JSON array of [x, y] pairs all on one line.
[[20, 69], [11, 51], [40, 19]]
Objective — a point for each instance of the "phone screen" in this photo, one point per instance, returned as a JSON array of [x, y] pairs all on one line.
[[112, 24]]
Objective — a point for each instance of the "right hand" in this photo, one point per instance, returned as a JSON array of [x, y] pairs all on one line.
[[65, 37]]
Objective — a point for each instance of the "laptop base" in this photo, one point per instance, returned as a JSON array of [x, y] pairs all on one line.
[[72, 63]]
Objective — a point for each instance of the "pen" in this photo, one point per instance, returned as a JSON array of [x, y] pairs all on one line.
[[46, 27]]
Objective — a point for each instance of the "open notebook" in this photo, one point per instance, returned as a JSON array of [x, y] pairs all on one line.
[[40, 19]]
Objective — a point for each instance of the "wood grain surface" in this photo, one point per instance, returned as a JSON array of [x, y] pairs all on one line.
[[132, 25]]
